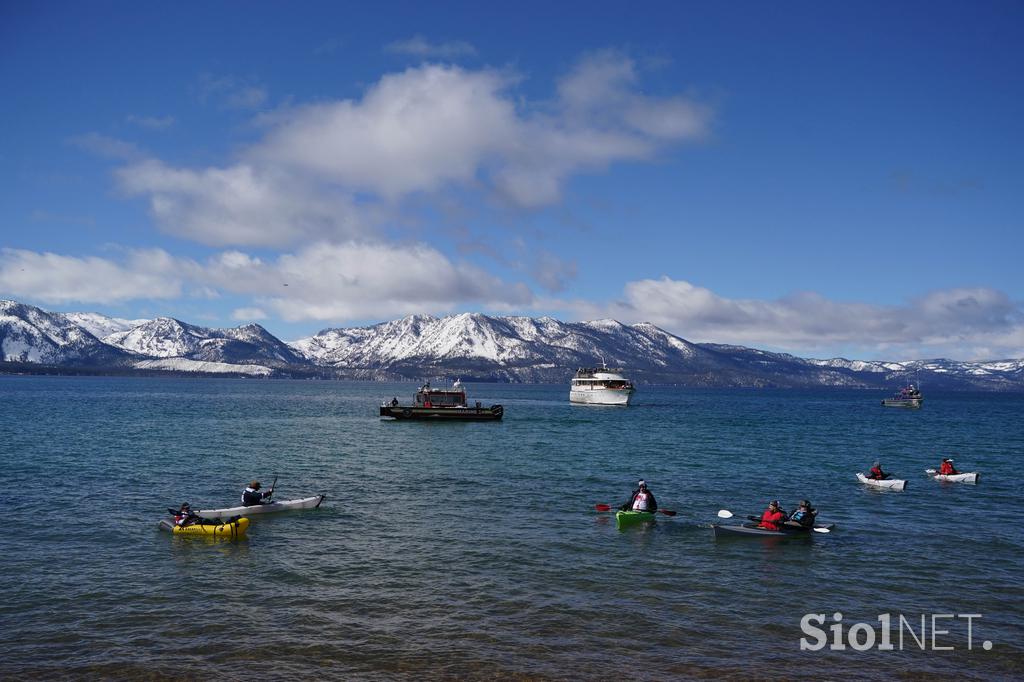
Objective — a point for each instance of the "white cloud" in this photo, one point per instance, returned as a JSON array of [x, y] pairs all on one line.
[[418, 46], [53, 278], [328, 170], [240, 204], [323, 281], [335, 282], [965, 322]]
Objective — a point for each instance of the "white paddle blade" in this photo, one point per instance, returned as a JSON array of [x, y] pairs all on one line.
[[822, 530], [929, 471], [724, 514]]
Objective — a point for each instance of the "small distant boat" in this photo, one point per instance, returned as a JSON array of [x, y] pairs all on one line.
[[907, 397], [600, 386], [441, 404], [954, 478], [890, 483]]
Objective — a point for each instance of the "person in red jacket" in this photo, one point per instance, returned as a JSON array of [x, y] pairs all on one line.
[[947, 468], [773, 516], [876, 473]]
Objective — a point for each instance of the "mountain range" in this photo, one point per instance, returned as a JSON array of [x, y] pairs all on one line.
[[469, 345]]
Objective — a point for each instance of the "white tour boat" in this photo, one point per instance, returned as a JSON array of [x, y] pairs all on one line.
[[600, 386]]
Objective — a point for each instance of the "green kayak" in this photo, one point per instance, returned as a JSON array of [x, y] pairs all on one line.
[[628, 518]]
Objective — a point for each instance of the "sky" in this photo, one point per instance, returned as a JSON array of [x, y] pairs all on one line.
[[824, 179]]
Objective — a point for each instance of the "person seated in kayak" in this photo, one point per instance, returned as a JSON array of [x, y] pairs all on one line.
[[876, 473], [252, 495], [804, 515], [773, 516], [642, 499], [947, 468], [185, 516]]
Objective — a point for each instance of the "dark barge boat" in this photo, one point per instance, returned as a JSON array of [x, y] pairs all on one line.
[[442, 404]]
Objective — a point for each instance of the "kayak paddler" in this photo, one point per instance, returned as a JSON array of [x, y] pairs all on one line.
[[185, 516], [804, 515], [642, 499], [947, 468], [252, 495], [773, 516], [876, 473]]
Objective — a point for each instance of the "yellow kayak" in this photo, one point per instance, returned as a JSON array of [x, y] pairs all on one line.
[[227, 531]]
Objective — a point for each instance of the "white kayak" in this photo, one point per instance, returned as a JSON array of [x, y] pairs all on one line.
[[270, 507], [955, 478], [890, 483]]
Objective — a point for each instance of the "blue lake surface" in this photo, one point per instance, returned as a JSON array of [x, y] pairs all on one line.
[[474, 551]]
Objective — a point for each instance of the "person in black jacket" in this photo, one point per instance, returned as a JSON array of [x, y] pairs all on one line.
[[252, 495], [642, 499]]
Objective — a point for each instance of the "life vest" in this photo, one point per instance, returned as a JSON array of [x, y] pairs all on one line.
[[947, 469], [771, 520], [876, 473], [640, 502]]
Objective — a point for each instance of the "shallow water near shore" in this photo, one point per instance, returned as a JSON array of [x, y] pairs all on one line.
[[474, 551]]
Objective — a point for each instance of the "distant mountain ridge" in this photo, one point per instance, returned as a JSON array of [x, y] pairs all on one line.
[[468, 345]]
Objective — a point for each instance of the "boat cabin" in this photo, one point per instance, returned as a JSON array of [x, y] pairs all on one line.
[[440, 397]]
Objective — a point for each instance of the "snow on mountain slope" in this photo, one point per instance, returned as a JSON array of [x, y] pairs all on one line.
[[504, 341], [199, 366], [98, 325], [166, 337], [30, 334]]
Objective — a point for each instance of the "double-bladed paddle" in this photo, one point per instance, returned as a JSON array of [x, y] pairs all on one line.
[[608, 507]]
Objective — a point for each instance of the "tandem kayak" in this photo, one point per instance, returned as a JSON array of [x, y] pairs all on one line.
[[628, 518], [954, 478], [753, 530], [890, 483], [227, 531], [270, 507]]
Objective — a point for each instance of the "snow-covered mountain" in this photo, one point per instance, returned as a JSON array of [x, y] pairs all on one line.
[[29, 334], [166, 337], [469, 345], [547, 350], [32, 335]]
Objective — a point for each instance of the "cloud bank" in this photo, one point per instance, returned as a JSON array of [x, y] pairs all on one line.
[[323, 170], [323, 282], [976, 323]]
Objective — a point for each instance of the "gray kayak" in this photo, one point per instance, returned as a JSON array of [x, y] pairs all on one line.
[[752, 530], [269, 508]]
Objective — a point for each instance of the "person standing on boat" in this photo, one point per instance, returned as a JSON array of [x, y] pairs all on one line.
[[642, 499], [876, 472], [947, 468], [252, 496], [773, 516]]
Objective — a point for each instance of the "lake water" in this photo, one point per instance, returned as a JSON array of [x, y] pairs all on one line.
[[474, 551]]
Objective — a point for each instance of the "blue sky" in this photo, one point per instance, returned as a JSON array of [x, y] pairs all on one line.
[[816, 178]]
